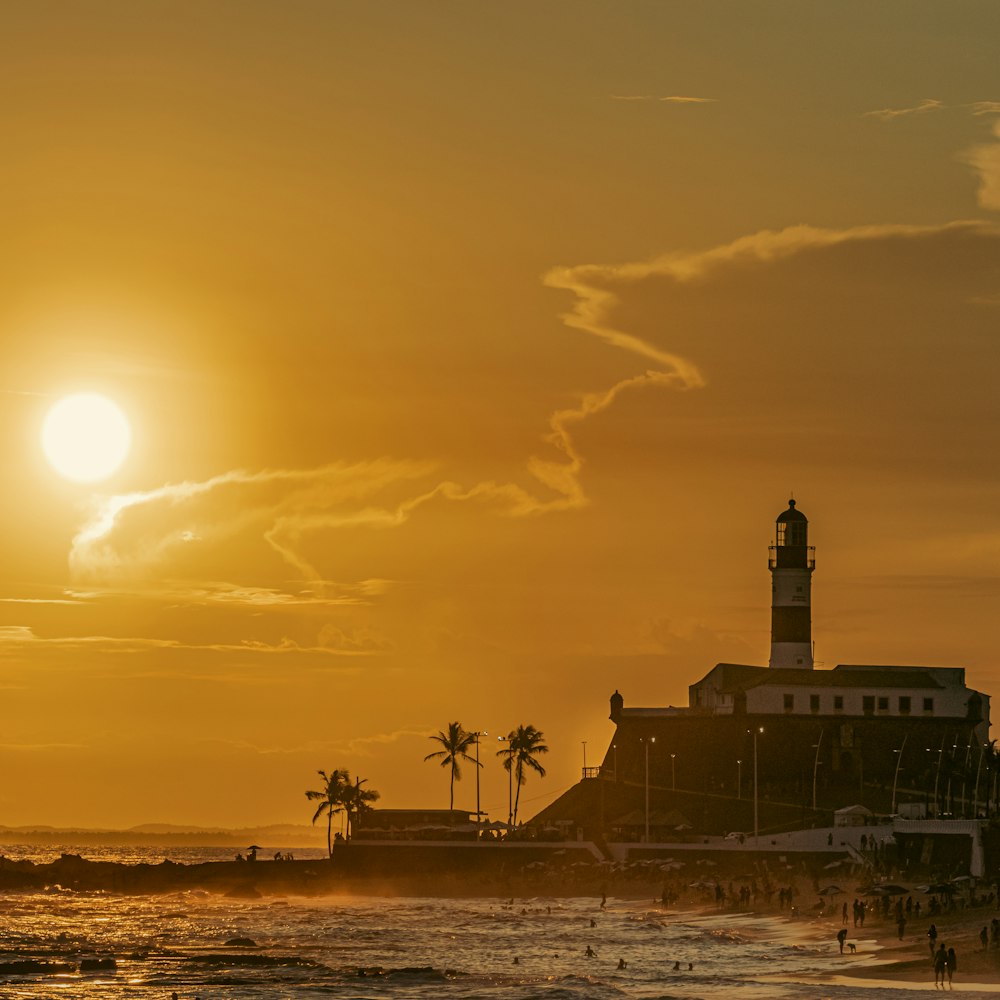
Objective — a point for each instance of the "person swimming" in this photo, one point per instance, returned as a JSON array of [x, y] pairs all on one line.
[[622, 964], [590, 953]]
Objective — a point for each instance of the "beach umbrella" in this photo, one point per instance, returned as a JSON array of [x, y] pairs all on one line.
[[888, 890], [255, 847], [831, 890], [937, 888]]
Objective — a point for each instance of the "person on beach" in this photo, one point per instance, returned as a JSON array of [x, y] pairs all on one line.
[[984, 937], [951, 965], [940, 965], [841, 938], [932, 937], [843, 914], [901, 925]]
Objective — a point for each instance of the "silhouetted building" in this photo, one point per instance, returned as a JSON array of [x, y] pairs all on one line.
[[822, 739]]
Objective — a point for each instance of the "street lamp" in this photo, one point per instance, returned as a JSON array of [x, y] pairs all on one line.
[[479, 815], [510, 780], [739, 778], [673, 773], [756, 826], [975, 794], [895, 777], [652, 739], [937, 778], [816, 746], [584, 742]]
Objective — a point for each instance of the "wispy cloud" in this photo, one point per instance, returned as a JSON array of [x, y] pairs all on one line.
[[19, 636], [363, 746], [671, 99], [127, 534], [887, 114], [977, 108]]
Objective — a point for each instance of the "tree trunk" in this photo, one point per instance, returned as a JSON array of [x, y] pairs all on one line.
[[518, 773], [329, 832]]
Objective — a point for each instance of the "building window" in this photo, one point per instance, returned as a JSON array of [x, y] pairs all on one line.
[[904, 704], [868, 704], [838, 703], [883, 703], [814, 703], [928, 704], [789, 702]]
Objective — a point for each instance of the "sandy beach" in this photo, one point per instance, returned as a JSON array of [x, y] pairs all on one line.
[[883, 959]]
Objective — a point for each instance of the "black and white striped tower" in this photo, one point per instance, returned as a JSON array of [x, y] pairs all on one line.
[[791, 561]]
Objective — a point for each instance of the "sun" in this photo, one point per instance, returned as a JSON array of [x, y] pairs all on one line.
[[86, 437]]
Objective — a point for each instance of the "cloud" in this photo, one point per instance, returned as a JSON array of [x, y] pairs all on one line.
[[985, 107], [40, 600], [672, 99], [128, 534], [362, 640], [362, 746], [985, 161], [888, 114], [14, 636], [222, 594]]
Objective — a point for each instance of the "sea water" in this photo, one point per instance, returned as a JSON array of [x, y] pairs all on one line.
[[366, 948]]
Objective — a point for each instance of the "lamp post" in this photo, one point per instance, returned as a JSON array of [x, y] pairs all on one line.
[[584, 742], [673, 773], [614, 748], [756, 826], [975, 795], [816, 746], [652, 739], [739, 778], [479, 815], [510, 781], [937, 778], [895, 777]]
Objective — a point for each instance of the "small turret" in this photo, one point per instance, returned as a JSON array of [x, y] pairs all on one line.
[[617, 704]]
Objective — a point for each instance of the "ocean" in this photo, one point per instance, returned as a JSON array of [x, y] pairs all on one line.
[[365, 948]]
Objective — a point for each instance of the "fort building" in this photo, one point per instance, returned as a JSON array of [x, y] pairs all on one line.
[[791, 742]]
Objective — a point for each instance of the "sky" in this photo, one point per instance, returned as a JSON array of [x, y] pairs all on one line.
[[470, 351]]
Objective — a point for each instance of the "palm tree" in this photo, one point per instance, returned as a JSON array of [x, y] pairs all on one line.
[[331, 800], [357, 800], [455, 744], [524, 744]]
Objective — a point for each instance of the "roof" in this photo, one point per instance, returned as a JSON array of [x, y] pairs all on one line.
[[729, 677], [791, 514], [855, 810], [872, 677]]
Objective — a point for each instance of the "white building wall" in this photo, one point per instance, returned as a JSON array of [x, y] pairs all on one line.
[[950, 702]]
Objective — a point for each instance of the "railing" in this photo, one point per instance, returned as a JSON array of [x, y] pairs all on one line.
[[780, 556]]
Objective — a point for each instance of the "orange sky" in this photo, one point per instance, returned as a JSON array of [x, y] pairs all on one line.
[[470, 352]]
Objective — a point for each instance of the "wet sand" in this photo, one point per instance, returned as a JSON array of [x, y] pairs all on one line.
[[883, 959]]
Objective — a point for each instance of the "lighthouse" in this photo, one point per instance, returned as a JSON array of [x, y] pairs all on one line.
[[791, 561]]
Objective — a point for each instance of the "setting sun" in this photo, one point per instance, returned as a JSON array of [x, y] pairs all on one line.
[[86, 437]]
